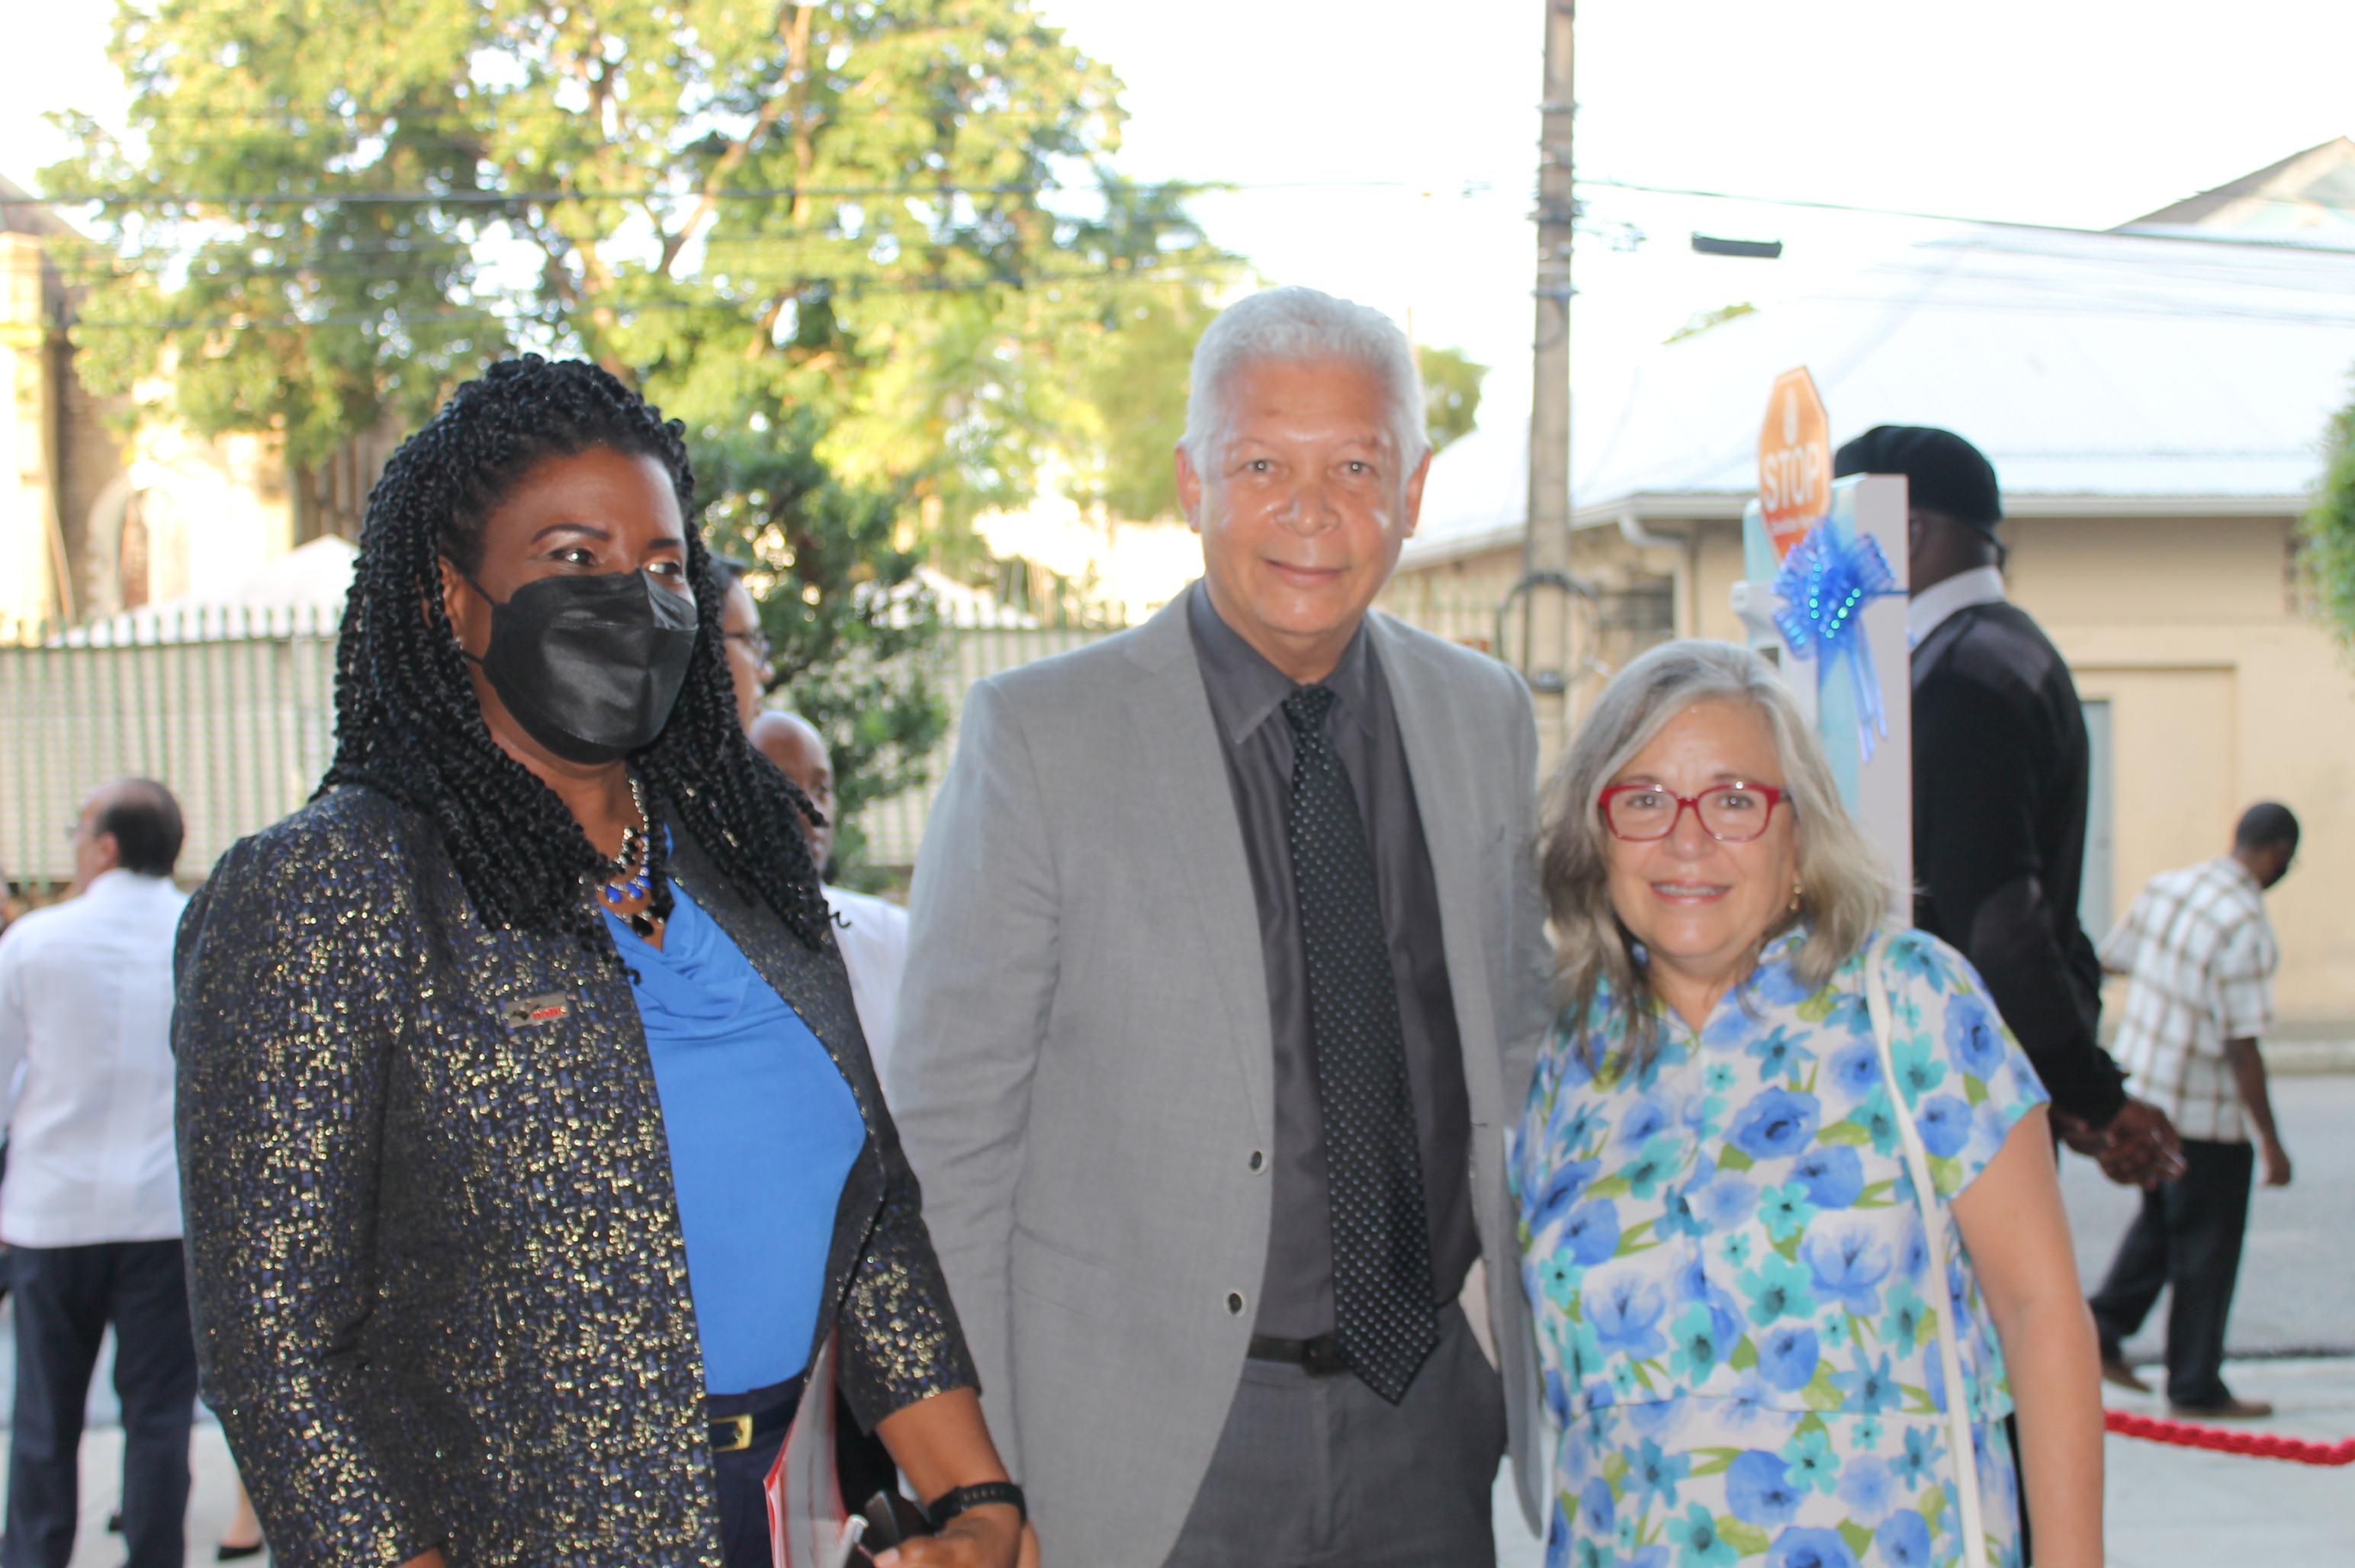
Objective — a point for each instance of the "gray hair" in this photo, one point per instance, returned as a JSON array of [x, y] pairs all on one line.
[[1846, 890], [1299, 325]]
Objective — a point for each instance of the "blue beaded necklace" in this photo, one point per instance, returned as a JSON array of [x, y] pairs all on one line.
[[629, 888]]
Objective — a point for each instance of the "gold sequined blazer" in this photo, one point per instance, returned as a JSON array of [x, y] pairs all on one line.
[[440, 1287]]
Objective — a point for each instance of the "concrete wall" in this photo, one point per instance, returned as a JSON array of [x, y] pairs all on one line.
[[2221, 690], [214, 512], [26, 549], [217, 511], [91, 445]]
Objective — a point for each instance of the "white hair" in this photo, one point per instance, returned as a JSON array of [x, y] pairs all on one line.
[[1297, 325], [1845, 888]]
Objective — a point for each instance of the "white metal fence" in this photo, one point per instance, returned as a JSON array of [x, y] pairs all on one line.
[[981, 648], [235, 711]]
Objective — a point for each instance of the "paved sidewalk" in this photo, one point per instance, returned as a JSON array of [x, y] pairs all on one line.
[[2168, 1507], [2174, 1508], [2297, 1275], [209, 1504]]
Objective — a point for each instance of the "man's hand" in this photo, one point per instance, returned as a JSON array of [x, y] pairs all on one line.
[[2141, 1148], [2277, 1160], [990, 1536], [2080, 1134]]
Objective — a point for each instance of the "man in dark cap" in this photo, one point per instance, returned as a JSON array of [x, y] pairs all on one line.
[[2000, 767]]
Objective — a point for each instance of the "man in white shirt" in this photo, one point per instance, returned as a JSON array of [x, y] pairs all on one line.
[[873, 931], [2200, 956], [92, 1201]]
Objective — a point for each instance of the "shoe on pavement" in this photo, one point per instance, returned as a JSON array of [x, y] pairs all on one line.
[[2230, 1410], [2115, 1370]]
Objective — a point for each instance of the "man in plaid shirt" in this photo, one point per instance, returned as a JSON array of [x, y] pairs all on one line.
[[2200, 956]]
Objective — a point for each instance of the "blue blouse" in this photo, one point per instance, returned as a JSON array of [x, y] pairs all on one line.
[[762, 1132]]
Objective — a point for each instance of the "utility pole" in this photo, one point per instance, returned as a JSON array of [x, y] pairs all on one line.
[[1550, 589]]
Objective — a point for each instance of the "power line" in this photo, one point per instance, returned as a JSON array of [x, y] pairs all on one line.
[[692, 193], [2221, 236], [1825, 206], [837, 288], [531, 197], [688, 193], [220, 258]]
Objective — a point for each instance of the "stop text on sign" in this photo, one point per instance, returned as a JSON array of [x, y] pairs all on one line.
[[1794, 460]]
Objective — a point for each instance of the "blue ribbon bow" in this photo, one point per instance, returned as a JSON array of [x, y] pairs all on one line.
[[1825, 582]]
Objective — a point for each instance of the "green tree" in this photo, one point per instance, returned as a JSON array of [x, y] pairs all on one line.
[[881, 210], [854, 636], [2328, 532], [871, 251], [1450, 393], [1127, 394]]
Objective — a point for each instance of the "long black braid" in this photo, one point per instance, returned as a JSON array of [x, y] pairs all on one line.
[[407, 721]]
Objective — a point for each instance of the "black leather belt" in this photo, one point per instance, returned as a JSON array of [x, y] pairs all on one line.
[[1319, 1358], [733, 1433]]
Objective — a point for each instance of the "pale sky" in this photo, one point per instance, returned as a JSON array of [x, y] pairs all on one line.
[[2081, 112], [1392, 146]]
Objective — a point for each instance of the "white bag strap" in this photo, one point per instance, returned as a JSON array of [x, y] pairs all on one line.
[[1933, 1228]]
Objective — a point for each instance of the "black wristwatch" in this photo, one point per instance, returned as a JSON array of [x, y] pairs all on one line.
[[951, 1503]]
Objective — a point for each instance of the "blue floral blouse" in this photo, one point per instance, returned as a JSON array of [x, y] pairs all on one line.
[[1732, 1227]]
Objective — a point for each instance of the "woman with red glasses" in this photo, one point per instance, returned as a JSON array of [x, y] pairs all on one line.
[[1738, 1282]]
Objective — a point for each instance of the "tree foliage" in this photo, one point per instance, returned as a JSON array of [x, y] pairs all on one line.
[[2327, 533], [853, 635], [1451, 394], [872, 251], [1700, 321], [885, 212]]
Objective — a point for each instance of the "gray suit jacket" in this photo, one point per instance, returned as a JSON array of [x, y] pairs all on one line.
[[1084, 1066]]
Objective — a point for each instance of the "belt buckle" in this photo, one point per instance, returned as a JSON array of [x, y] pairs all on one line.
[[741, 1429], [1322, 1357]]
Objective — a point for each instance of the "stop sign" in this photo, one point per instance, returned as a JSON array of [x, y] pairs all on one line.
[[1794, 460]]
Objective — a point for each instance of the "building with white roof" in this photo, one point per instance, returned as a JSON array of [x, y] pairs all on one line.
[[2154, 399]]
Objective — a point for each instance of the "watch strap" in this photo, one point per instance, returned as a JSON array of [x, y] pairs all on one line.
[[956, 1500]]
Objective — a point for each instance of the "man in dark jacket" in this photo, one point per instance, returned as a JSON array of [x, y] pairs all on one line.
[[2001, 766]]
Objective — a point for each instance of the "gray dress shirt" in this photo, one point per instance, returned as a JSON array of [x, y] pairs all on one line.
[[1246, 695]]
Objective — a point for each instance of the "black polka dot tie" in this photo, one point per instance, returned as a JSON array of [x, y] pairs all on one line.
[[1381, 1247]]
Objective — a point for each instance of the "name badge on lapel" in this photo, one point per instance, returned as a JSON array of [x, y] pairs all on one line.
[[534, 1010]]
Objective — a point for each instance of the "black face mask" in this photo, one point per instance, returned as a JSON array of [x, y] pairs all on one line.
[[591, 666]]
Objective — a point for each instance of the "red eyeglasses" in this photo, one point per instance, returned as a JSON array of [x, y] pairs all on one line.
[[1729, 813]]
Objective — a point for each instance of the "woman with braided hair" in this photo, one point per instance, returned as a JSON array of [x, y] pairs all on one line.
[[531, 1151]]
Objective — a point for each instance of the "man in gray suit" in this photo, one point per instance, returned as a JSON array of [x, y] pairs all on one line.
[[1227, 976]]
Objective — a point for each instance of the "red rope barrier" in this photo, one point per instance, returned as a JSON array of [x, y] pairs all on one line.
[[2260, 1445]]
